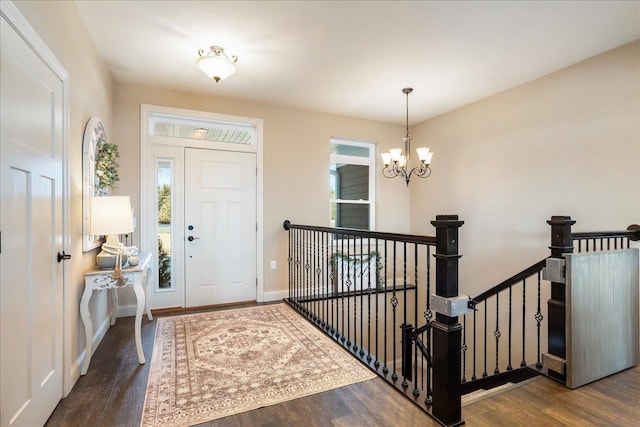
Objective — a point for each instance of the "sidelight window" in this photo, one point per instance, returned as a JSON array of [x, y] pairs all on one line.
[[164, 184]]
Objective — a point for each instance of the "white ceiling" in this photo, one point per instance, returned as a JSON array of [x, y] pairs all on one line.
[[354, 57]]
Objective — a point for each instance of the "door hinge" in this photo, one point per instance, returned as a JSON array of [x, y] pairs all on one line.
[[256, 282]]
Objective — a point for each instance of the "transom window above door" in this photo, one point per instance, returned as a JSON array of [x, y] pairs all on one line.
[[207, 130]]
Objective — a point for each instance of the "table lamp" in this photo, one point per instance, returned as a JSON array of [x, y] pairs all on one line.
[[110, 216]]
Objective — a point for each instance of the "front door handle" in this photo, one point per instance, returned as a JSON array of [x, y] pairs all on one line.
[[191, 238], [63, 256]]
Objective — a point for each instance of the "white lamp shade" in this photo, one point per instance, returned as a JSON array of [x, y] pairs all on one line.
[[424, 154], [396, 153], [386, 158], [402, 162], [216, 67], [110, 215]]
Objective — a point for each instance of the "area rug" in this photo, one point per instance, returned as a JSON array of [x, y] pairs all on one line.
[[211, 365]]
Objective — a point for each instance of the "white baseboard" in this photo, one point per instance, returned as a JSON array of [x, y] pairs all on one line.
[[74, 371], [275, 295], [76, 366], [130, 310], [126, 310]]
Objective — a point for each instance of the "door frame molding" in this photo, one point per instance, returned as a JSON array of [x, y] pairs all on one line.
[[146, 140], [23, 28]]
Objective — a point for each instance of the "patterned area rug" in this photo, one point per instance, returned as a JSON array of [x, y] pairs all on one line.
[[211, 365]]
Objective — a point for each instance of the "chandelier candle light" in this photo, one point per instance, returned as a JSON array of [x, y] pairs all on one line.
[[396, 163], [216, 64]]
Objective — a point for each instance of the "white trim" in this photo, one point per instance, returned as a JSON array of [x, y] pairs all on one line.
[[126, 310], [257, 147], [13, 16], [100, 333], [276, 295]]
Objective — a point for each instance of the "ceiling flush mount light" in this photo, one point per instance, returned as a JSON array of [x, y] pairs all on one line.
[[216, 64], [397, 164]]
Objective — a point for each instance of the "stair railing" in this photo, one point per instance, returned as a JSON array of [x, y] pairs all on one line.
[[370, 292], [367, 290], [489, 326]]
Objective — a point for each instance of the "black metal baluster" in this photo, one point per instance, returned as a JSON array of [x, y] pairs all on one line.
[[307, 268], [416, 392], [369, 290], [319, 279], [405, 368], [385, 369], [297, 267], [376, 363], [580, 245], [289, 238], [473, 375], [464, 348], [524, 318], [328, 314], [355, 296], [428, 315], [355, 348], [538, 318], [316, 299], [509, 367], [486, 308], [394, 304], [349, 283], [340, 260], [333, 278], [497, 333]]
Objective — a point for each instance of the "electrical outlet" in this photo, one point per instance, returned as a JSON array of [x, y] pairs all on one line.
[[273, 265]]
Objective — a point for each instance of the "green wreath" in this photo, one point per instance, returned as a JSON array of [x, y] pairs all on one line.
[[106, 166]]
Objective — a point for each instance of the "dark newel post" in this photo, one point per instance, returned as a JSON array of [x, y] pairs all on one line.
[[561, 243], [447, 332]]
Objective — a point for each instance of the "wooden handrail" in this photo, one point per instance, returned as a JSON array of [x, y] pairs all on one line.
[[527, 272], [407, 238]]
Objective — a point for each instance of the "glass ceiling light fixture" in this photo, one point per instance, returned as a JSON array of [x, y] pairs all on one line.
[[396, 163], [216, 64]]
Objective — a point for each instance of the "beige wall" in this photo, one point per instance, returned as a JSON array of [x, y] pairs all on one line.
[[565, 144], [296, 163], [60, 26], [568, 143]]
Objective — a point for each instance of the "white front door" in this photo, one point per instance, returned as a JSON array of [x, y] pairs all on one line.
[[220, 227], [31, 279]]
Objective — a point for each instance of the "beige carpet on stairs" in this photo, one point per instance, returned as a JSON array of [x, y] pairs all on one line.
[[211, 365]]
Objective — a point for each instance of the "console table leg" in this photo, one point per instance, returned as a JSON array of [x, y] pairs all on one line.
[[88, 328], [148, 290], [114, 305], [139, 310]]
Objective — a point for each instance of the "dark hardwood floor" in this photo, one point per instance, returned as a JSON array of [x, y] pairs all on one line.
[[112, 394]]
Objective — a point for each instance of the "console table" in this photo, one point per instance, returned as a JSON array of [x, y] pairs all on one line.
[[97, 279]]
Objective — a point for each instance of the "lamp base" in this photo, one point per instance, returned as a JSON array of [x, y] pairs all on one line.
[[107, 261]]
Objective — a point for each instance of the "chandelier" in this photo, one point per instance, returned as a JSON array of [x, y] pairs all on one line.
[[397, 164], [216, 64]]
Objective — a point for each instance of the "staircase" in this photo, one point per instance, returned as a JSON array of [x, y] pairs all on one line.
[[407, 322]]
